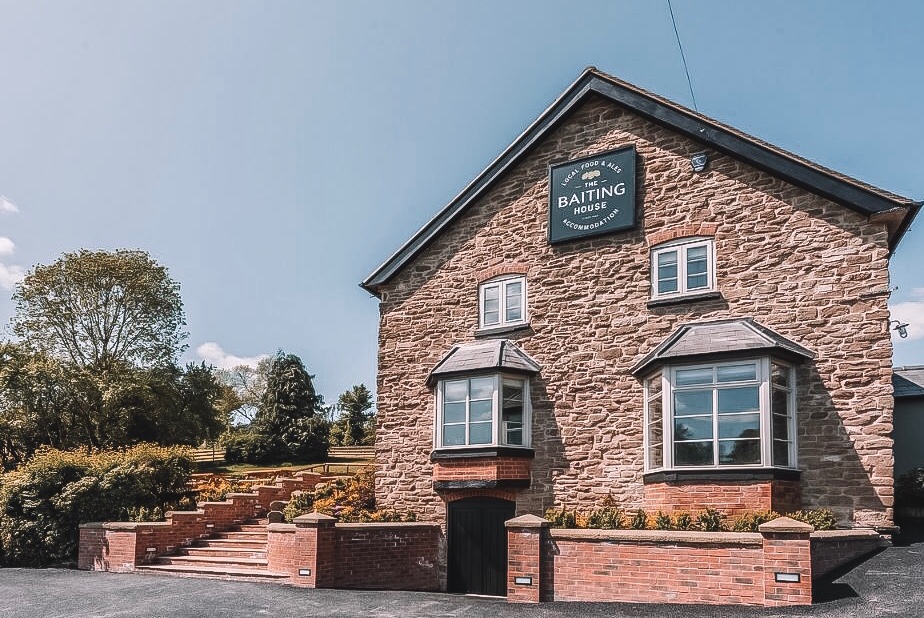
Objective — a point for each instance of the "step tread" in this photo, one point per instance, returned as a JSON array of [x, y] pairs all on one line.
[[182, 568], [211, 560]]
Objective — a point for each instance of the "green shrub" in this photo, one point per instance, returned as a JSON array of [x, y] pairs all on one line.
[[43, 502], [749, 522], [639, 520], [663, 521], [711, 520], [909, 488], [682, 521], [821, 519], [217, 488], [349, 500], [244, 446], [562, 518]]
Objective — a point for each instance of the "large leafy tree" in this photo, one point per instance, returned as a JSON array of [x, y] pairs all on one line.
[[98, 309], [291, 412]]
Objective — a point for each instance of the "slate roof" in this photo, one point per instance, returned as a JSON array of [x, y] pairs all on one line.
[[908, 381], [498, 354], [721, 338], [896, 211]]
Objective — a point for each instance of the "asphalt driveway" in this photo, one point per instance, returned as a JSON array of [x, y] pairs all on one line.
[[889, 584]]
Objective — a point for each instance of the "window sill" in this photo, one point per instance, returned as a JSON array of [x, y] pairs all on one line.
[[723, 474], [685, 298], [499, 330], [471, 452]]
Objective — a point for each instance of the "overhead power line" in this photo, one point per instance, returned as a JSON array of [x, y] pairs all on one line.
[[682, 55]]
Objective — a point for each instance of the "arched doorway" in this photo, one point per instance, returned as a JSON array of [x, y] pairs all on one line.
[[477, 545]]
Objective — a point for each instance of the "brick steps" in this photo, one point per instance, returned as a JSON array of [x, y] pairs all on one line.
[[238, 553], [211, 572]]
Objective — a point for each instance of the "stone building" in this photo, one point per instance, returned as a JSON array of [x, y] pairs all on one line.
[[636, 301]]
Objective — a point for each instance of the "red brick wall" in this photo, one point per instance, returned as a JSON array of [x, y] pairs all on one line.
[[672, 571], [731, 497], [481, 469], [397, 556], [834, 548]]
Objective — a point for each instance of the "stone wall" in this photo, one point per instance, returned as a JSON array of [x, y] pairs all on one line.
[[812, 270]]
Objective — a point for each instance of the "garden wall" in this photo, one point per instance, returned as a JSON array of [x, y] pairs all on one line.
[[774, 567], [318, 553], [120, 546]]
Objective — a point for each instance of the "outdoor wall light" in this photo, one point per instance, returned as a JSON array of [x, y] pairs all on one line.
[[789, 578], [699, 161], [523, 581], [902, 329], [304, 572]]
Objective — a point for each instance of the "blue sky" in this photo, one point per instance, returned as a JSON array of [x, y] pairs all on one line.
[[272, 154]]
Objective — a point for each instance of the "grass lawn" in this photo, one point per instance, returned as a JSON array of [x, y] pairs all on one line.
[[333, 465]]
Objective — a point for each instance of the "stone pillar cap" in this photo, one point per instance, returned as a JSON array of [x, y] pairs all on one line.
[[527, 521], [314, 519], [786, 525]]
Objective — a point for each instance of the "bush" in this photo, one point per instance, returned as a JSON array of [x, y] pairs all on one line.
[[245, 446], [821, 519], [711, 520], [217, 488], [639, 520], [909, 488], [43, 502], [750, 522], [349, 500]]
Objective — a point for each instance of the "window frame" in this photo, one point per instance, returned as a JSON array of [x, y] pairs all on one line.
[[498, 438], [501, 283], [666, 377], [682, 248]]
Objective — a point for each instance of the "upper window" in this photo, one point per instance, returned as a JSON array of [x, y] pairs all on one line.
[[503, 302], [739, 413], [483, 411], [683, 268]]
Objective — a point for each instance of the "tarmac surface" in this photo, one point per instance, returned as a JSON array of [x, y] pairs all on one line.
[[890, 583]]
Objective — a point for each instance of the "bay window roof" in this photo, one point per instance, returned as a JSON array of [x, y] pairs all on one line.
[[501, 355], [721, 338]]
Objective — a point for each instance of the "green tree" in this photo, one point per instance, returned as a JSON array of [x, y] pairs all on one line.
[[96, 309], [291, 412], [356, 423], [247, 385]]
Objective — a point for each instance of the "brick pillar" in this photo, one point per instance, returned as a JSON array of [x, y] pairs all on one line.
[[526, 539], [787, 556], [315, 540]]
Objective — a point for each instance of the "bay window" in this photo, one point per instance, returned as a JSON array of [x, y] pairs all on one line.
[[729, 414], [483, 410]]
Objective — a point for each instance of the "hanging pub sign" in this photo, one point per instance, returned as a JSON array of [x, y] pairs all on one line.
[[593, 195]]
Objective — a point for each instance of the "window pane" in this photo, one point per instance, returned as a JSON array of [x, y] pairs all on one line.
[[491, 317], [736, 373], [686, 377], [693, 454], [481, 410], [654, 386], [739, 399], [482, 388], [457, 390], [780, 453], [491, 293], [739, 426], [513, 394], [696, 254], [739, 452], [655, 455], [780, 427], [692, 402], [514, 435], [454, 412], [453, 435], [491, 307], [693, 428], [666, 286], [697, 281], [779, 375], [779, 403], [667, 259], [696, 267], [514, 301], [480, 433]]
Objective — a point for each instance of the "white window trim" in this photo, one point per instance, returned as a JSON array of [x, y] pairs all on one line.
[[497, 425], [501, 284], [682, 247], [668, 373]]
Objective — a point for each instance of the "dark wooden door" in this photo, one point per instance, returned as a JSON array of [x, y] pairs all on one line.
[[478, 545]]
